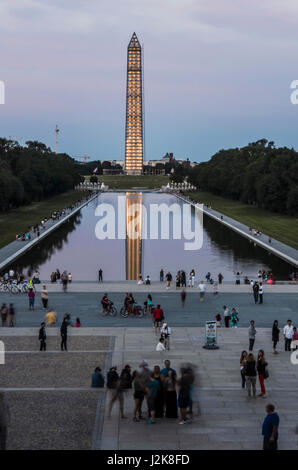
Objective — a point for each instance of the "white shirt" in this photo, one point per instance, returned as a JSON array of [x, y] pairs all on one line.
[[226, 312], [11, 272], [202, 287], [289, 331], [160, 347], [261, 289], [166, 331]]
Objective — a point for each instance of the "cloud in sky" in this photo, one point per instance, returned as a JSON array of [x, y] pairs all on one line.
[[217, 74]]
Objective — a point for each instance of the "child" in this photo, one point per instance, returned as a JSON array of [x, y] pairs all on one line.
[[218, 320], [78, 323]]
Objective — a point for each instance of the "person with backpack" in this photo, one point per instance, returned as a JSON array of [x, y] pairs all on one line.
[[126, 377], [42, 337]]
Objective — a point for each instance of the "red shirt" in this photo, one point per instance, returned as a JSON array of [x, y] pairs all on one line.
[[158, 314]]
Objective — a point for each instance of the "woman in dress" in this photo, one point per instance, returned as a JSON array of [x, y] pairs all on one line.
[[234, 318], [171, 395]]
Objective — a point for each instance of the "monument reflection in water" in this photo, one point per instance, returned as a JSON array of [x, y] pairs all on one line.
[[75, 247], [133, 235]]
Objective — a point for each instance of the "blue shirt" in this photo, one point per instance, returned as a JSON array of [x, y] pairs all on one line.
[[98, 380], [271, 420], [153, 387], [165, 371]]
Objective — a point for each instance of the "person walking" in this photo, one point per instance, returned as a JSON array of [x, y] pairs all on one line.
[[100, 275], [4, 421], [261, 292], [11, 315], [139, 395], [250, 375], [226, 316], [4, 313], [117, 394], [50, 318], [255, 289], [44, 297], [63, 333], [64, 279], [31, 296], [252, 335], [165, 333], [270, 428], [275, 335], [42, 337], [158, 316], [243, 358], [262, 372], [183, 297], [288, 335]]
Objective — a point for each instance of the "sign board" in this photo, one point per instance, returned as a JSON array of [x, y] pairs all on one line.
[[210, 335]]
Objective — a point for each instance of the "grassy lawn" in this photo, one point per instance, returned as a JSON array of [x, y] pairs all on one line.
[[128, 182], [281, 227], [18, 220]]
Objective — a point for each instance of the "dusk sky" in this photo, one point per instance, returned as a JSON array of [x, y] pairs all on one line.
[[217, 73]]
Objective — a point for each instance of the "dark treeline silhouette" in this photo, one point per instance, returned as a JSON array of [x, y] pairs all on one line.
[[33, 172], [258, 174]]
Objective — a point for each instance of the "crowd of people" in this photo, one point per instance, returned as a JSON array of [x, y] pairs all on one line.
[[164, 392]]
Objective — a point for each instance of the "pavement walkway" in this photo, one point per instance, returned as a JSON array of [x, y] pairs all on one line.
[[224, 417]]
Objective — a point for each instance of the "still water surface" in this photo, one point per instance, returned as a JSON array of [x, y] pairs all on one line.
[[75, 247]]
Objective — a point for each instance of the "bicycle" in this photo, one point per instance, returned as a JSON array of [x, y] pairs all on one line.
[[136, 310], [109, 310]]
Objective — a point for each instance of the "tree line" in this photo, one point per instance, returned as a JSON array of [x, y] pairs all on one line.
[[33, 172], [258, 174]]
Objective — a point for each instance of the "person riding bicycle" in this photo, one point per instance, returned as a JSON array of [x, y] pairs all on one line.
[[106, 302], [129, 302]]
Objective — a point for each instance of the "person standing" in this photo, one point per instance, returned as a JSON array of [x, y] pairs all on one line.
[[152, 391], [63, 333], [220, 278], [193, 277], [4, 313], [170, 395], [288, 335], [261, 292], [44, 297], [250, 375], [202, 288], [252, 335], [261, 368], [97, 379], [100, 275], [275, 335], [243, 358], [161, 275], [183, 279], [168, 280], [226, 316], [139, 394], [270, 428], [234, 318], [42, 337], [4, 421], [31, 296], [11, 315], [255, 289]]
